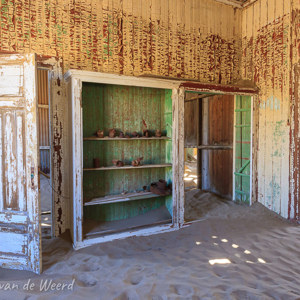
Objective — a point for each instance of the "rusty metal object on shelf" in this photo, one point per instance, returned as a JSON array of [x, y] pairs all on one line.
[[100, 133], [118, 163], [112, 133], [161, 188], [137, 162], [158, 133], [146, 133], [96, 163], [135, 134], [121, 134]]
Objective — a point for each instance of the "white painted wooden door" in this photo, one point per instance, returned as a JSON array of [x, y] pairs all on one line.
[[19, 202]]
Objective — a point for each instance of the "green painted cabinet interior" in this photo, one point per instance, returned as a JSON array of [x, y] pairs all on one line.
[[127, 109], [242, 149]]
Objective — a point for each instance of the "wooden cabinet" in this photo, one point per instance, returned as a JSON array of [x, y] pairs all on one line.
[[115, 201]]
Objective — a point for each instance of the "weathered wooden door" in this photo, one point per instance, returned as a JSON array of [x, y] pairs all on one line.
[[243, 149], [19, 203]]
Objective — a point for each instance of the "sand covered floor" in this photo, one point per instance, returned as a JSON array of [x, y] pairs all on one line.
[[234, 252]]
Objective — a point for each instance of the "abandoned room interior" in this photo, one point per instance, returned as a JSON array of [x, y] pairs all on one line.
[[140, 137]]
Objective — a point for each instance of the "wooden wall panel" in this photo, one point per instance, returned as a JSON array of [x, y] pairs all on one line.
[[186, 39], [191, 123], [220, 172], [220, 120], [220, 162], [266, 45]]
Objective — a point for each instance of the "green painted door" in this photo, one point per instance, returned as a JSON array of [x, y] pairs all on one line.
[[242, 174]]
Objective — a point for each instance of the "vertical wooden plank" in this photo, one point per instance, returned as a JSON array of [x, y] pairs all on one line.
[[277, 81], [285, 113], [20, 161], [128, 37], [251, 151], [199, 142], [117, 34], [106, 35], [171, 39], [234, 150], [180, 157], [193, 39], [205, 139], [30, 140], [77, 139], [175, 142], [262, 112], [2, 198], [269, 112], [164, 38], [10, 161]]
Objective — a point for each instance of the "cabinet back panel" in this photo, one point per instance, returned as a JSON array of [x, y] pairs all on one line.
[[127, 109], [103, 183], [122, 210]]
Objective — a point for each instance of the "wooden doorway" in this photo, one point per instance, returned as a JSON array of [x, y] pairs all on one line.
[[209, 132], [44, 141], [218, 149]]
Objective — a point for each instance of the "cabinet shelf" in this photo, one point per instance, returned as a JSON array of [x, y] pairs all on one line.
[[126, 167], [121, 198], [126, 139]]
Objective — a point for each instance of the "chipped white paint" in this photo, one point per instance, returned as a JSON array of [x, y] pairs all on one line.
[[123, 235], [11, 80], [20, 163], [19, 206], [77, 164], [58, 117], [10, 163], [59, 141], [13, 217], [13, 243], [106, 78]]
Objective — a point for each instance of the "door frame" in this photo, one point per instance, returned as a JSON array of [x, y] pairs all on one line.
[[42, 66], [221, 89], [56, 94]]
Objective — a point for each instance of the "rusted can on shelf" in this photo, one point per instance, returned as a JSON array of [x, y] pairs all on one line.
[[96, 163]]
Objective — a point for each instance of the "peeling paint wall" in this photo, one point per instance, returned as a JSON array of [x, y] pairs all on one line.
[[192, 39], [269, 53], [294, 199]]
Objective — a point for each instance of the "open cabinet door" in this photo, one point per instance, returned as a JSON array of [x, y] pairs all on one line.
[[20, 245]]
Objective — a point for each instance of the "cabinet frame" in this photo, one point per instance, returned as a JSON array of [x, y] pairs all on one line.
[[74, 79]]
